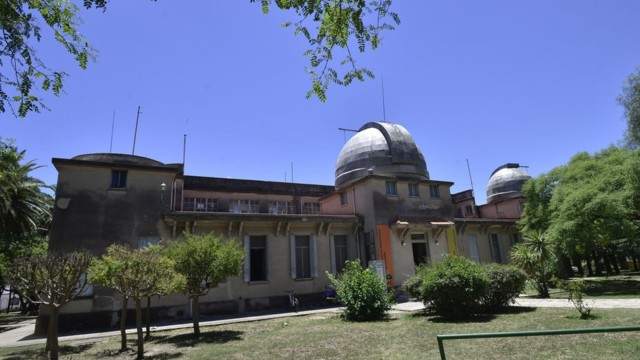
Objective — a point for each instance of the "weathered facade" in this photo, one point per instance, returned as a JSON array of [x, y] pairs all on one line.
[[384, 210]]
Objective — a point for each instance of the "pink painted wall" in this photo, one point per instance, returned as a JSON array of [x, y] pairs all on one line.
[[507, 209]]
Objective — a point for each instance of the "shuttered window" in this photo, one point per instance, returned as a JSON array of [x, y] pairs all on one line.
[[303, 257]]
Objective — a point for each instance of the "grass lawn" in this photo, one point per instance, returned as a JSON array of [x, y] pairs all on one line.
[[403, 336], [612, 287]]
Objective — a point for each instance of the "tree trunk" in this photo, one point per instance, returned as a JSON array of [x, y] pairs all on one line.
[[589, 268], [52, 333], [9, 301], [123, 324], [140, 354], [195, 314], [578, 263], [596, 261], [564, 267], [148, 316], [614, 262], [607, 263]]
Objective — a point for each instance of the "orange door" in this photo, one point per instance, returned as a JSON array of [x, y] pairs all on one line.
[[384, 235]]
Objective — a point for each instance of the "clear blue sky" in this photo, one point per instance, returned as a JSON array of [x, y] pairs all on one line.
[[492, 81]]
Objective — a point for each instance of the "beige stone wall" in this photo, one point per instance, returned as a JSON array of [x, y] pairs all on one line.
[[403, 264], [235, 288], [485, 252]]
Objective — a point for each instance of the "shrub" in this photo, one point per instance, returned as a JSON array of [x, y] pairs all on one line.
[[412, 285], [505, 284], [454, 287], [362, 292], [576, 296]]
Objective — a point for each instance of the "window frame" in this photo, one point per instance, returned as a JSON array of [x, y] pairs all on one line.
[[335, 267], [434, 191], [416, 187], [266, 257], [116, 184], [391, 185], [301, 274], [344, 199]]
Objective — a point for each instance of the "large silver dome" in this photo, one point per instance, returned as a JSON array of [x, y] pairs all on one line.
[[383, 149], [506, 182]]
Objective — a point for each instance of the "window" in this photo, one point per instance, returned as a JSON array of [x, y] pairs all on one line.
[[414, 190], [303, 256], [189, 204], [291, 208], [472, 242], [434, 190], [515, 238], [339, 251], [343, 199], [88, 288], [201, 204], [118, 179], [257, 258], [244, 206], [495, 248], [279, 207], [392, 188], [420, 248], [468, 210], [212, 205], [311, 208], [144, 241]]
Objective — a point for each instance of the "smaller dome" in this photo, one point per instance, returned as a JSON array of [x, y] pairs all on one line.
[[124, 159], [506, 182]]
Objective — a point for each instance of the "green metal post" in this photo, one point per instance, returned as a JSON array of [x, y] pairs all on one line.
[[441, 348], [441, 338]]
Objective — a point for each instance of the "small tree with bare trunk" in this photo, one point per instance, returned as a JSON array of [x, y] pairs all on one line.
[[136, 274], [205, 261], [52, 280]]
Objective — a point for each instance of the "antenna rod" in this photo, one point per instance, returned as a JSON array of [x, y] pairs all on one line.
[[292, 172], [384, 110], [344, 132], [184, 148], [113, 122], [135, 133], [470, 178]]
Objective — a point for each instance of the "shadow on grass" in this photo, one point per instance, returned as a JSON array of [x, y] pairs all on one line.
[[579, 317], [208, 337], [14, 318], [39, 353], [516, 310], [612, 287], [131, 353], [478, 318]]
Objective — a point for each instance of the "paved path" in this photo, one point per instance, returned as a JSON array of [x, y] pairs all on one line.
[[594, 303], [21, 334]]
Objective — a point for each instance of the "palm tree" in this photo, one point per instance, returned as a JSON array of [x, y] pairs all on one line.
[[24, 208], [536, 257]]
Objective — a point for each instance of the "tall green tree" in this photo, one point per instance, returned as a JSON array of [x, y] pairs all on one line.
[[135, 274], [327, 25], [589, 208], [24, 207], [52, 280], [630, 101], [205, 261]]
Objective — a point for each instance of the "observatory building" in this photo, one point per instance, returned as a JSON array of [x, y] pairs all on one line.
[[384, 210]]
